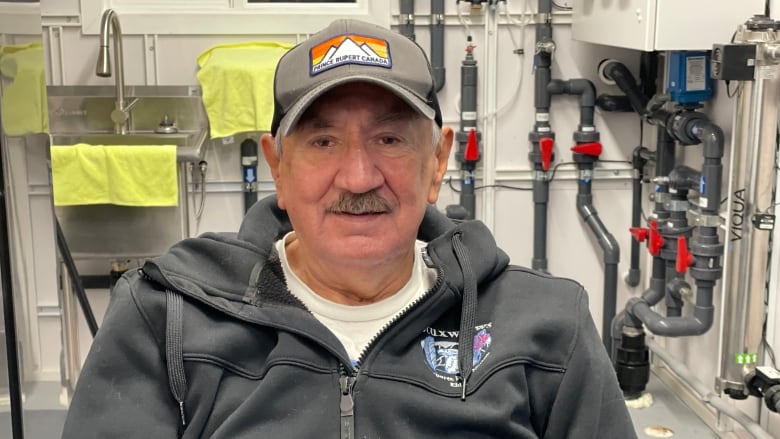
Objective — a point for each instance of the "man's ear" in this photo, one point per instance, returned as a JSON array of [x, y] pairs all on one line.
[[442, 157], [274, 161]]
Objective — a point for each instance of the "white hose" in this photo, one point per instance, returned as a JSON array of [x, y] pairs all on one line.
[[706, 395]]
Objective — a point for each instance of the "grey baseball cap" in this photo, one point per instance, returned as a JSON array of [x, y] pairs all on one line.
[[351, 51]]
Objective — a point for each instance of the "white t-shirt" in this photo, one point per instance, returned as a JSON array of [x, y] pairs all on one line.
[[356, 325]]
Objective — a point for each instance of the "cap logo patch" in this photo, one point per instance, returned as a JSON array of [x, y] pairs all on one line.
[[350, 49]]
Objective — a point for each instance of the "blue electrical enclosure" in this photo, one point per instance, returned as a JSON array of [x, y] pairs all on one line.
[[689, 77]]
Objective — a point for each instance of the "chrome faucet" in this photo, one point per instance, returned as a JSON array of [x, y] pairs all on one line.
[[121, 114]]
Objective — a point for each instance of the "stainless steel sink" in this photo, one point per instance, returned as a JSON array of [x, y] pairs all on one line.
[[189, 144], [82, 114]]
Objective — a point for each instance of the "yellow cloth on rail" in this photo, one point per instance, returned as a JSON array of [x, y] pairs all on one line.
[[237, 83], [138, 175], [23, 102]]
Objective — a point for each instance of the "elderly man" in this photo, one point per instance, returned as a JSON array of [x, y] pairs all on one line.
[[347, 306]]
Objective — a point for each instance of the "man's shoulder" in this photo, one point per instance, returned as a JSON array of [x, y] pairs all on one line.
[[542, 314], [533, 285]]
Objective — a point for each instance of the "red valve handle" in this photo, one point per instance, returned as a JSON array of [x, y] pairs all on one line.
[[591, 149], [546, 148], [639, 233], [471, 154], [656, 240], [684, 257]]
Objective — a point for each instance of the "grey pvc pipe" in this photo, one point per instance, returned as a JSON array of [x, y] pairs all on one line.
[[623, 78], [406, 27], [541, 186], [607, 242], [437, 43], [541, 194], [706, 395], [696, 324], [711, 136], [611, 250], [582, 88]]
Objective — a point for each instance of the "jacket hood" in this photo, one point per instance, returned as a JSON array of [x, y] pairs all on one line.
[[224, 268]]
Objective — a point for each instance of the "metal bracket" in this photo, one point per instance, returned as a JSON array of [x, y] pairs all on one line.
[[677, 205], [660, 197], [697, 219]]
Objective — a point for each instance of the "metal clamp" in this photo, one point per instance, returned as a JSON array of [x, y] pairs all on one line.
[[660, 197], [697, 219], [539, 175], [677, 205]]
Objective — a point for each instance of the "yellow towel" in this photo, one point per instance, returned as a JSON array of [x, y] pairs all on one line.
[[237, 83], [24, 100], [141, 175]]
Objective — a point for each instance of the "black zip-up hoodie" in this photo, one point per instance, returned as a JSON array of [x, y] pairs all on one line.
[[206, 341]]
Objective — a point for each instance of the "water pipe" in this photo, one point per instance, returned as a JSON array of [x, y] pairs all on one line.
[[639, 159], [542, 137], [586, 152], [636, 99], [668, 243], [437, 43], [585, 155], [249, 169], [689, 127], [468, 137], [406, 25], [703, 257]]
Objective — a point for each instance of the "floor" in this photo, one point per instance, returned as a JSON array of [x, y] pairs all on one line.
[[667, 415], [44, 415]]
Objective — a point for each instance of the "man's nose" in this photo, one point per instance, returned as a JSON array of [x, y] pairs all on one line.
[[358, 171]]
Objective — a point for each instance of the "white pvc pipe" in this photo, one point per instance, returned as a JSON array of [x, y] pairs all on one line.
[[706, 395], [490, 128]]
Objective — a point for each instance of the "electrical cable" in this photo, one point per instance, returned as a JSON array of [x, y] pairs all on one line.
[[203, 165], [504, 186], [737, 90], [555, 168], [476, 188]]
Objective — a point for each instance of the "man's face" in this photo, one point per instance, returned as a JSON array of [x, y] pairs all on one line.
[[356, 174]]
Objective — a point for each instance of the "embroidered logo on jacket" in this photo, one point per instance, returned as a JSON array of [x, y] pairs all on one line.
[[441, 350], [350, 49]]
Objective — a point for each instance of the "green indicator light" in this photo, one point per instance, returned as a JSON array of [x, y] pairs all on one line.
[[746, 358]]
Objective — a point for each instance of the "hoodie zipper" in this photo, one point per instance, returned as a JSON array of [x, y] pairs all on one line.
[[403, 312], [348, 375], [347, 403]]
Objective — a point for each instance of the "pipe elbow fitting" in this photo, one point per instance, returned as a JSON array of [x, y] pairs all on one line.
[[712, 139], [611, 250], [585, 89]]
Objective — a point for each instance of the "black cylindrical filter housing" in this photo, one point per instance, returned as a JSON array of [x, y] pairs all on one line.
[[633, 365]]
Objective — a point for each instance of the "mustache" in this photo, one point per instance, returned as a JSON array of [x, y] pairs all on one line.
[[358, 204]]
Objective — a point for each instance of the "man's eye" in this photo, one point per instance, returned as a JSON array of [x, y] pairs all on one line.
[[389, 140], [323, 142]]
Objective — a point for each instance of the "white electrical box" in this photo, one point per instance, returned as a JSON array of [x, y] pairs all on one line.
[[651, 25]]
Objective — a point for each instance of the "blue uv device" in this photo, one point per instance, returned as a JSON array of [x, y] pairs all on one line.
[[689, 77]]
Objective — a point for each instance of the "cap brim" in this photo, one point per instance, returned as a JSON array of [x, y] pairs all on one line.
[[292, 116]]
